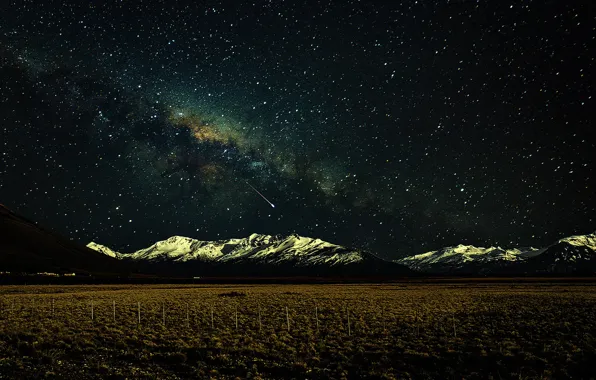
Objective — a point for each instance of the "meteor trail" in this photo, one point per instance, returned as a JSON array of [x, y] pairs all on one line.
[[262, 196]]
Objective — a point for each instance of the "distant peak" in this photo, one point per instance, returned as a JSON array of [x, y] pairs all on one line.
[[256, 248], [462, 248], [588, 240], [103, 249], [179, 237]]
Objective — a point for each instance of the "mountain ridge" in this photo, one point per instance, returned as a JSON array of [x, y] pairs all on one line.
[[469, 259], [26, 247], [255, 246], [294, 253], [256, 254]]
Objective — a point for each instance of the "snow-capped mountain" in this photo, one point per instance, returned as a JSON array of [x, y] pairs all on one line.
[[103, 249], [574, 254], [466, 259], [571, 255], [180, 249], [588, 241], [292, 252], [298, 255], [300, 250]]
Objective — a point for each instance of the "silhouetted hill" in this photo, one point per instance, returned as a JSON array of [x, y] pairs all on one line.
[[27, 247]]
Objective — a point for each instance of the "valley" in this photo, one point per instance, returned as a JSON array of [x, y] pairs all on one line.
[[469, 329]]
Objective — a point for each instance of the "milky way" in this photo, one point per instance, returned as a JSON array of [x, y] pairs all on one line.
[[394, 128]]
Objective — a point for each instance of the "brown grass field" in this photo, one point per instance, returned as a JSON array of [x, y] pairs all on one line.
[[410, 330]]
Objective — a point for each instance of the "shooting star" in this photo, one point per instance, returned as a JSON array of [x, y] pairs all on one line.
[[262, 196]]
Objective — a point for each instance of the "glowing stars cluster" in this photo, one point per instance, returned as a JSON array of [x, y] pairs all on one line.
[[201, 127]]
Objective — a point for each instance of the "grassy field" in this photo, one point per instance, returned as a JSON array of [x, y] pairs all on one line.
[[442, 331]]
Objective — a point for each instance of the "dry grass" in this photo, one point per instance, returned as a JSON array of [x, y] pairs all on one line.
[[395, 331]]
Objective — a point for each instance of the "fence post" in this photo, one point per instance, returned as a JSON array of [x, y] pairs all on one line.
[[260, 322], [236, 315], [349, 328], [317, 316], [114, 311], [139, 312], [288, 319], [187, 316], [416, 322], [92, 311], [163, 313], [212, 322], [52, 308], [454, 331]]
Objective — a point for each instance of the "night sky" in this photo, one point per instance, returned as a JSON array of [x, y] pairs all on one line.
[[396, 128]]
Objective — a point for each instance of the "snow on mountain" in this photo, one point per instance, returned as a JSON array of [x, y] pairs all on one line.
[[574, 254], [294, 248], [460, 257], [568, 255], [259, 249], [180, 248], [588, 241], [103, 249]]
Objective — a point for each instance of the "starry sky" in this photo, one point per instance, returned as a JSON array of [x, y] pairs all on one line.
[[395, 127]]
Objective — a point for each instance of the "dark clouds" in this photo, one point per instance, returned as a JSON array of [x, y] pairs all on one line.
[[396, 128]]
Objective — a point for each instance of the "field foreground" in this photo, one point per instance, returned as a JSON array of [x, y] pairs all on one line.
[[470, 330]]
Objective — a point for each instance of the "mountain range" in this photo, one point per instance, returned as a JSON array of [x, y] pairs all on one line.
[[26, 247], [266, 254], [262, 255], [570, 255]]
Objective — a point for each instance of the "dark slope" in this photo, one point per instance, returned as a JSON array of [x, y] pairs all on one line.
[[27, 247], [560, 258]]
